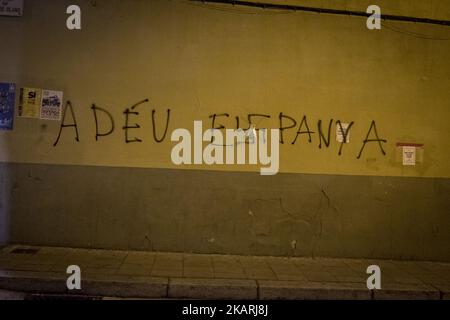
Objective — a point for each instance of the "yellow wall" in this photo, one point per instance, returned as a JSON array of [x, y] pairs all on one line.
[[199, 60], [431, 9]]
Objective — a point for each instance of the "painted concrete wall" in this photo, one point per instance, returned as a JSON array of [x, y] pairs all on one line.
[[197, 61], [431, 9], [228, 212]]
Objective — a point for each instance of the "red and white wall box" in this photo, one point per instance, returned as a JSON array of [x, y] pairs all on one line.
[[411, 153]]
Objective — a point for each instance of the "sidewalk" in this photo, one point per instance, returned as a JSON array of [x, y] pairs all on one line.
[[107, 273]]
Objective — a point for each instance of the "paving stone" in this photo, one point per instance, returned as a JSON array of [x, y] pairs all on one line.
[[320, 276], [169, 257], [212, 289], [106, 271], [280, 261], [417, 271], [7, 265], [198, 272], [101, 285], [227, 265], [225, 259], [284, 267], [405, 279], [253, 262], [445, 290], [281, 277], [23, 281], [168, 262], [46, 259], [134, 269], [104, 263], [143, 258], [62, 266], [315, 267], [440, 267], [293, 277], [229, 269], [17, 258], [167, 272], [53, 251], [406, 292], [359, 265], [327, 262], [11, 295], [307, 263], [228, 275], [303, 290], [383, 264], [33, 267], [287, 271], [432, 279], [260, 273], [351, 278], [343, 271], [109, 254], [197, 261], [11, 248], [79, 256], [132, 287]]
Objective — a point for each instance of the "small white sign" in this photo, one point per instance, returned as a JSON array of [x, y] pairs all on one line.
[[51, 105], [342, 131], [11, 8], [409, 156]]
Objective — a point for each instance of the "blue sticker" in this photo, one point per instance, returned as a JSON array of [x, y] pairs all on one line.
[[7, 97]]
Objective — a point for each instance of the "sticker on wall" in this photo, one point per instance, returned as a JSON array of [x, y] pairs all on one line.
[[409, 155], [51, 105], [30, 102], [7, 97], [342, 133], [12, 8]]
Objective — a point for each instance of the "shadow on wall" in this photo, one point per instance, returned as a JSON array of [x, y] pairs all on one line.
[[5, 192], [11, 32], [7, 106], [8, 96]]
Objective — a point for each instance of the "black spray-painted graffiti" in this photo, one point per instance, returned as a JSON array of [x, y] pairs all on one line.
[[129, 112], [285, 123]]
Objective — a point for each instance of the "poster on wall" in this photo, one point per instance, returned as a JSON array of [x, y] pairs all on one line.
[[51, 105], [30, 102], [7, 97], [12, 8], [409, 155]]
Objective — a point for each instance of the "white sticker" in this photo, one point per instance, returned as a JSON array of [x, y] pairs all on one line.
[[51, 105], [11, 8], [342, 133], [409, 156]]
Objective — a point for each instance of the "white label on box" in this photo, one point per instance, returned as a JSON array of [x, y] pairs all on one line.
[[409, 156]]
